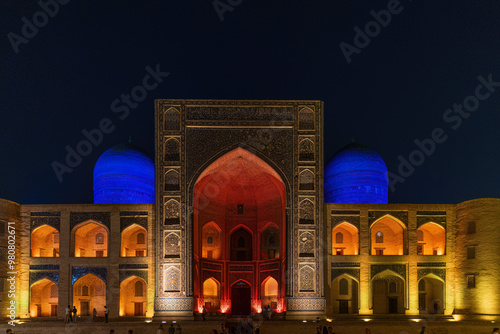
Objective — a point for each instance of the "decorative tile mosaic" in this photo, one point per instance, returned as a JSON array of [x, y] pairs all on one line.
[[127, 221], [124, 274], [353, 220], [46, 214], [44, 267], [345, 212], [352, 272], [306, 304], [431, 213], [80, 217], [35, 276], [345, 264], [441, 273], [54, 222], [401, 215], [173, 304], [133, 213], [78, 272], [133, 266], [431, 264], [440, 220], [399, 269]]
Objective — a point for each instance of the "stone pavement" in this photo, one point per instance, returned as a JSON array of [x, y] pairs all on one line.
[[271, 327]]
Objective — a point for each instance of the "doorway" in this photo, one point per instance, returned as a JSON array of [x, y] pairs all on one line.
[[240, 299], [84, 309], [343, 306], [53, 310], [393, 305], [138, 309]]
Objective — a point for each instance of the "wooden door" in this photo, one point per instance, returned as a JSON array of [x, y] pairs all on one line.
[[241, 299], [138, 309], [343, 306], [84, 308]]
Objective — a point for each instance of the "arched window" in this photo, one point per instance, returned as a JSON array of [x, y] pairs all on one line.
[[210, 240], [172, 245], [139, 289], [420, 235], [172, 120], [172, 181], [306, 212], [392, 287], [271, 241], [172, 150], [85, 290], [172, 212], [306, 119], [241, 242], [99, 239], [306, 180], [379, 237], [421, 285], [343, 287], [339, 238], [241, 245], [306, 150], [141, 239]]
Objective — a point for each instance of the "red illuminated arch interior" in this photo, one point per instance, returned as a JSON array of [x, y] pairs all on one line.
[[239, 207]]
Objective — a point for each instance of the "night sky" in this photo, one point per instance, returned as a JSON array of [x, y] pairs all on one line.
[[395, 90]]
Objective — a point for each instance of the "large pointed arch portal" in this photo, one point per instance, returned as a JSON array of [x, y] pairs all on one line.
[[239, 196]]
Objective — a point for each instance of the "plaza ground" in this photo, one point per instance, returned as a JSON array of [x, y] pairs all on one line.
[[281, 327]]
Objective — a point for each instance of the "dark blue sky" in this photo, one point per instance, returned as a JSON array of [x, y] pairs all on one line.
[[395, 90]]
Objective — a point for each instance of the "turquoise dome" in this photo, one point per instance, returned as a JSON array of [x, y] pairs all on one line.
[[124, 174], [356, 174]]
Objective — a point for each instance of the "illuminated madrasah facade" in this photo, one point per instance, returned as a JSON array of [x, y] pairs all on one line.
[[238, 212]]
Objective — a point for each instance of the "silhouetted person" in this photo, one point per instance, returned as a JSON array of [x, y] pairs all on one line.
[[106, 312], [74, 313], [160, 330], [68, 315], [203, 312], [171, 329]]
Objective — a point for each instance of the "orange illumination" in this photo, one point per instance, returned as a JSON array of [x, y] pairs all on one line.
[[134, 241], [133, 297], [257, 306], [44, 294], [387, 237], [225, 306], [45, 242], [431, 239], [90, 240], [89, 292], [281, 305], [345, 239]]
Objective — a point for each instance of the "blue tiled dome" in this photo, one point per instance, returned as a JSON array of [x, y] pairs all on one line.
[[124, 175], [356, 174]]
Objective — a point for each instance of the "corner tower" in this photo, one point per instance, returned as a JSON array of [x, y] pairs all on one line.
[[239, 198]]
